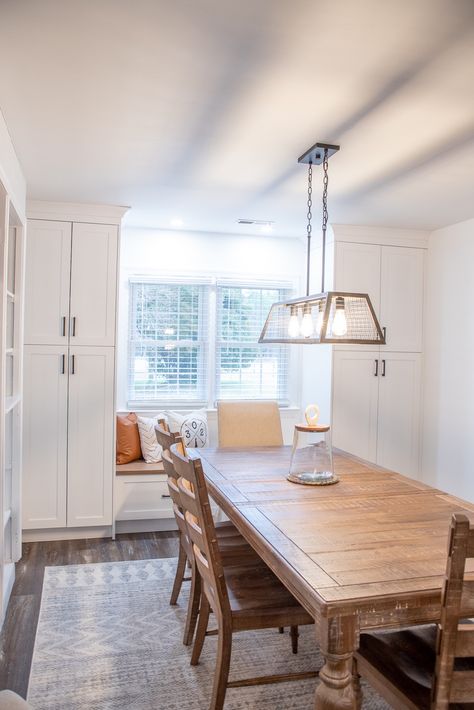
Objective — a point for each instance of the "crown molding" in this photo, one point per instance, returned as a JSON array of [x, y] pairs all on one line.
[[392, 236], [75, 212]]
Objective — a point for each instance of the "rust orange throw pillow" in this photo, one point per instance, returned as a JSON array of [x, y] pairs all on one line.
[[128, 438]]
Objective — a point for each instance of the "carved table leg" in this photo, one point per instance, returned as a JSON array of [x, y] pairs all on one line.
[[338, 639]]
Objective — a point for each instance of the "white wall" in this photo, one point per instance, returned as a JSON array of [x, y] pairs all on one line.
[[148, 251], [448, 423], [11, 174]]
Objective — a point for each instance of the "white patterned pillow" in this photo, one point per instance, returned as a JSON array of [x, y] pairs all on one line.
[[151, 450], [192, 427]]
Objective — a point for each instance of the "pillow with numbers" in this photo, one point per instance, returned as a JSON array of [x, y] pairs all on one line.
[[192, 427]]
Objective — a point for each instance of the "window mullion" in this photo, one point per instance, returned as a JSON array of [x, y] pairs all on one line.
[[212, 373]]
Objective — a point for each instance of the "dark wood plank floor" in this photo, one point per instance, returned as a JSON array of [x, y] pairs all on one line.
[[18, 635]]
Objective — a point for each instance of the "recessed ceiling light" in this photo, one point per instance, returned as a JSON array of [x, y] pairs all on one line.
[[176, 222]]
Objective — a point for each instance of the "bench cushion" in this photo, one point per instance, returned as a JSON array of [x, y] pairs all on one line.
[[139, 468]]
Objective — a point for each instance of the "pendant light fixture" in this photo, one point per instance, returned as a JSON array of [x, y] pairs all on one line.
[[329, 316]]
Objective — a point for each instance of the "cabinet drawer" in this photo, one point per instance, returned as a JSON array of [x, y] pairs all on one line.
[[142, 498]]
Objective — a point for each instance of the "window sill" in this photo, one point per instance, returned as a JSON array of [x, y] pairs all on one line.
[[137, 407]]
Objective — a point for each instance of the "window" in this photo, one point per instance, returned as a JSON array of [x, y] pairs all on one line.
[[167, 346], [245, 369], [192, 343]]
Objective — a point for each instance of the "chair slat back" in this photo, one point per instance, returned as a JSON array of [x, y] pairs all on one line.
[[166, 439], [455, 640], [201, 528]]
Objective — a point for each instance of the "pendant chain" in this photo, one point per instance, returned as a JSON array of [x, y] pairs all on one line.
[[325, 215], [309, 226]]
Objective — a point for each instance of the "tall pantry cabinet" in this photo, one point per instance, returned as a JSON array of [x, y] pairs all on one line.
[[376, 393], [69, 365]]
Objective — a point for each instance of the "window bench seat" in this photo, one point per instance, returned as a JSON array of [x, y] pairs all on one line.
[[138, 467]]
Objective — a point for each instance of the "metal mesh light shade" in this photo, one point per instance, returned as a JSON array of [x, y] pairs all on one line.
[[331, 317]]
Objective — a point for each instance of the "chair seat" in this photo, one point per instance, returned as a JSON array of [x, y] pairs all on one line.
[[406, 659], [234, 548], [259, 600]]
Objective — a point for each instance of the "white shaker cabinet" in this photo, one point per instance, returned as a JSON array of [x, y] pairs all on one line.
[[376, 407], [91, 420], [393, 278], [69, 442], [71, 277], [93, 284], [357, 270], [48, 277], [376, 391], [398, 432], [355, 402], [45, 436], [401, 298]]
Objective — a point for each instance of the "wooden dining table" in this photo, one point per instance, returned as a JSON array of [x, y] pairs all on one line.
[[366, 553]]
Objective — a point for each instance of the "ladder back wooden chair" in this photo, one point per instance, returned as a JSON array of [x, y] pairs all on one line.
[[232, 544], [249, 423], [244, 596], [430, 667]]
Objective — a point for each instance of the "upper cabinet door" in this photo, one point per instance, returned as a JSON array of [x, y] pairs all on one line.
[[402, 298], [93, 284], [48, 266], [358, 270]]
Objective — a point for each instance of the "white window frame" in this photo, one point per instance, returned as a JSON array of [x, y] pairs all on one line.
[[212, 283]]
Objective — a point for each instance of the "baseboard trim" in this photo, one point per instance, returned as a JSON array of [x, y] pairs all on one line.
[[51, 534], [121, 526]]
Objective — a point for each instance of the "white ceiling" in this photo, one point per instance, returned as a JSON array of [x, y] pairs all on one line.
[[198, 109]]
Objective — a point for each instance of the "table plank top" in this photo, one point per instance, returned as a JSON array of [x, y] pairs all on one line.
[[374, 541]]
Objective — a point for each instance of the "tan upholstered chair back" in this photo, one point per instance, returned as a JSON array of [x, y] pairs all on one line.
[[249, 423]]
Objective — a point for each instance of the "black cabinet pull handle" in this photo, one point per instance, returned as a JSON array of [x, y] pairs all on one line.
[[384, 331], [73, 326], [63, 364], [376, 371], [165, 495], [73, 364], [383, 368], [63, 326]]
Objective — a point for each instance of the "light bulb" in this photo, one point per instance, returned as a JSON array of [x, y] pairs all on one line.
[[307, 325], [293, 325], [339, 324]]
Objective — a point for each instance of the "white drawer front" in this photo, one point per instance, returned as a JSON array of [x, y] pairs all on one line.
[[142, 498]]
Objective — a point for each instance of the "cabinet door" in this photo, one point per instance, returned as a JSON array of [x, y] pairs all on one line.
[[355, 395], [399, 413], [93, 284], [358, 270], [44, 436], [90, 436], [48, 264], [401, 308]]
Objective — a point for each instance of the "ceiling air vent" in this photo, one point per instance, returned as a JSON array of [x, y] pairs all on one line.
[[258, 222]]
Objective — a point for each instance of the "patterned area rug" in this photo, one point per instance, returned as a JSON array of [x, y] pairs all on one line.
[[108, 639]]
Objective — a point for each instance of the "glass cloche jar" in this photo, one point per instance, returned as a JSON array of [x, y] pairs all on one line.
[[311, 456]]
